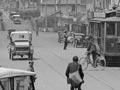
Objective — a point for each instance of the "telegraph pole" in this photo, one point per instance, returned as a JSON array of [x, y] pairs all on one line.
[[76, 8], [46, 26]]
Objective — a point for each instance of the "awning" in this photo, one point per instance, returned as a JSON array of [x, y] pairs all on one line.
[[110, 19], [7, 72]]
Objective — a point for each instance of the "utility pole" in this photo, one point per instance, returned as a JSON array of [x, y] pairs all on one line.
[[59, 3], [76, 8], [46, 26], [118, 3]]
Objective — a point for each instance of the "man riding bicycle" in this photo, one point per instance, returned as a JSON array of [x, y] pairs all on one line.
[[93, 49]]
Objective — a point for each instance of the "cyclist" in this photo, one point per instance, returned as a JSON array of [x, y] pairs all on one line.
[[93, 49]]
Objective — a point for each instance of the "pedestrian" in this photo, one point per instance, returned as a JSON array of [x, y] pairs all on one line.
[[71, 68], [37, 33], [31, 78], [65, 40], [37, 28]]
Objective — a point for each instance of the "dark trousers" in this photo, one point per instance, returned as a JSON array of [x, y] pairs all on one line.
[[78, 87], [94, 55], [32, 83], [65, 45]]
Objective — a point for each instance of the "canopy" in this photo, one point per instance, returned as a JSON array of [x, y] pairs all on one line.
[[79, 34], [21, 35], [7, 72]]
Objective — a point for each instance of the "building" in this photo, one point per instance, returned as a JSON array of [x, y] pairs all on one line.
[[67, 7]]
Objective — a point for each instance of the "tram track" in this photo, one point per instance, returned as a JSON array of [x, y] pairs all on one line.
[[99, 80], [52, 67]]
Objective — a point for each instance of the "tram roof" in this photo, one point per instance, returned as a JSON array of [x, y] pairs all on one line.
[[110, 19]]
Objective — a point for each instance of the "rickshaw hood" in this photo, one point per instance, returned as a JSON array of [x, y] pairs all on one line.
[[22, 44], [9, 72]]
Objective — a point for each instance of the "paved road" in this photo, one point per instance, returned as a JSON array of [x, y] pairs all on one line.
[[51, 61]]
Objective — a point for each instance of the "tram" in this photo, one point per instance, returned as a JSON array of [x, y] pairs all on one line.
[[107, 32]]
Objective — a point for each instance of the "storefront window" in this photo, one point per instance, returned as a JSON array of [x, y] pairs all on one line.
[[118, 29], [110, 28]]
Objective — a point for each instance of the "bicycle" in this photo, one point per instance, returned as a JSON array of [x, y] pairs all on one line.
[[99, 62]]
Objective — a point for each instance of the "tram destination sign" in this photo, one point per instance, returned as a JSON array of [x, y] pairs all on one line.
[[99, 15]]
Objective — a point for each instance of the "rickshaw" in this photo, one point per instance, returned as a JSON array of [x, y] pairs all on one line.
[[60, 36], [21, 44], [78, 39], [107, 32], [14, 79], [70, 37]]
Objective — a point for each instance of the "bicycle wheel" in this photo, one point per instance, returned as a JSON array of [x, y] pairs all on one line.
[[84, 63], [101, 63]]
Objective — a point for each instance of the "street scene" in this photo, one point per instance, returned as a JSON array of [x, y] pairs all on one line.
[[31, 34]]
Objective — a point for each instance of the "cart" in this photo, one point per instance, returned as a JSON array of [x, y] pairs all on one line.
[[78, 40], [14, 79]]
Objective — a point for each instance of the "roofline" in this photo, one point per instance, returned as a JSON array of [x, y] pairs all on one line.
[[21, 32]]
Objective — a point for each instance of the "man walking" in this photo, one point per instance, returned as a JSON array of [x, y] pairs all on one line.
[[65, 40], [71, 68], [32, 78]]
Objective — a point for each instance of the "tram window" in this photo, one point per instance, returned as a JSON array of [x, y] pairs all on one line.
[[99, 30], [110, 28], [118, 29]]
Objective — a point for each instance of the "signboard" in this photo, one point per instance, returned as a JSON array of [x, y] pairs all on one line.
[[99, 15]]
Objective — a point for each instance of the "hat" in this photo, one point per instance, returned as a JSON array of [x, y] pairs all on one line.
[[75, 58]]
